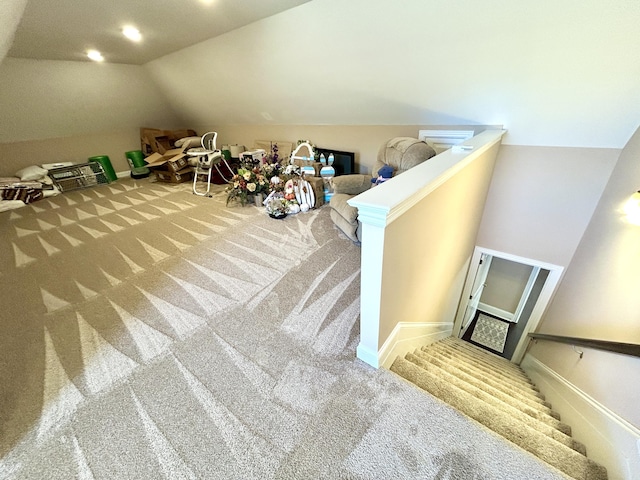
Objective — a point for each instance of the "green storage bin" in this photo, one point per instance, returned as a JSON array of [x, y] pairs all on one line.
[[135, 159], [106, 166]]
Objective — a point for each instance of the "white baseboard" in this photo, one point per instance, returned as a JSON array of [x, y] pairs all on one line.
[[367, 356], [126, 173], [610, 440], [407, 336], [496, 312]]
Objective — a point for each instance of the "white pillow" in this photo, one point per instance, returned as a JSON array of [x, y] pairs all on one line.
[[31, 173]]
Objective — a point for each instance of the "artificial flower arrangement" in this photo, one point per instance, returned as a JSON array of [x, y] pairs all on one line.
[[267, 177], [273, 156], [247, 182]]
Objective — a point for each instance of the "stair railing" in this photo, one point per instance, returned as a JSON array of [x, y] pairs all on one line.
[[616, 347]]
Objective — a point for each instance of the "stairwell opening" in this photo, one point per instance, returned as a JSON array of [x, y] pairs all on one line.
[[499, 316]]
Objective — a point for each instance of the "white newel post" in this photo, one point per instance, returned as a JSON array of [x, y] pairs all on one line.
[[378, 208], [374, 222]]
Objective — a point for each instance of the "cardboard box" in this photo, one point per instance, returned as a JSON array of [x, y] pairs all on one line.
[[166, 176], [318, 189], [173, 160], [153, 140]]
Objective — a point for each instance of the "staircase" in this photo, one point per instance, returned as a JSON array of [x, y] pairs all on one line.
[[499, 395]]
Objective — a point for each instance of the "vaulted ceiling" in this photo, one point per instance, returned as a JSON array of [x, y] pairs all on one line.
[[553, 73], [65, 30]]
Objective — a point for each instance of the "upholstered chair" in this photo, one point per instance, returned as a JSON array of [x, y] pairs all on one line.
[[400, 153]]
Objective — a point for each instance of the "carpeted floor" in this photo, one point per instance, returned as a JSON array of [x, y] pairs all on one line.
[[147, 333]]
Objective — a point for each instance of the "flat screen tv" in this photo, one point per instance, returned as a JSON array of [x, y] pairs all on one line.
[[343, 162]]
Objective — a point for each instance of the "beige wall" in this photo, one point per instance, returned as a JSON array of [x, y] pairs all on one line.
[[75, 149], [505, 283], [598, 298], [363, 140], [42, 99], [439, 235], [542, 198]]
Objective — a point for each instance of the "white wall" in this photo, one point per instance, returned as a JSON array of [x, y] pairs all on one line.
[[553, 73]]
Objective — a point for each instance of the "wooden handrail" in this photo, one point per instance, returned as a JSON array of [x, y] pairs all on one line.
[[616, 347]]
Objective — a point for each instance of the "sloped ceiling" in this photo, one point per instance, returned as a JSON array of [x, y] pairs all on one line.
[[10, 14], [64, 30], [553, 73]]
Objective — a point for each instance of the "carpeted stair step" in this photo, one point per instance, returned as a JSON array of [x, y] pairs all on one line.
[[484, 354], [534, 419], [487, 357], [491, 372], [522, 403], [488, 370], [489, 367], [484, 359], [488, 377], [556, 454]]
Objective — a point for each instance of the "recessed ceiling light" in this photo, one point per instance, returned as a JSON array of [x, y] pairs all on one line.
[[95, 55], [132, 33]]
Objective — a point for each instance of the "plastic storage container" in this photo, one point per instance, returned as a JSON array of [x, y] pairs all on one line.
[[106, 166], [135, 159]]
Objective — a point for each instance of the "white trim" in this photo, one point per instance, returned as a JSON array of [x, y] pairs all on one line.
[[526, 293], [388, 201], [496, 312], [370, 281], [123, 174], [441, 140], [378, 207], [610, 440], [407, 336], [367, 355]]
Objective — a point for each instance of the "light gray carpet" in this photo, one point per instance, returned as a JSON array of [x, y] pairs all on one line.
[[147, 333], [499, 395]]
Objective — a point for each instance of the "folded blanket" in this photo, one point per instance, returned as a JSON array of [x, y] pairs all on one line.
[[12, 188]]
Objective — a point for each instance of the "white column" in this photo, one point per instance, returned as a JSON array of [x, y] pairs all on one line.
[[374, 221]]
